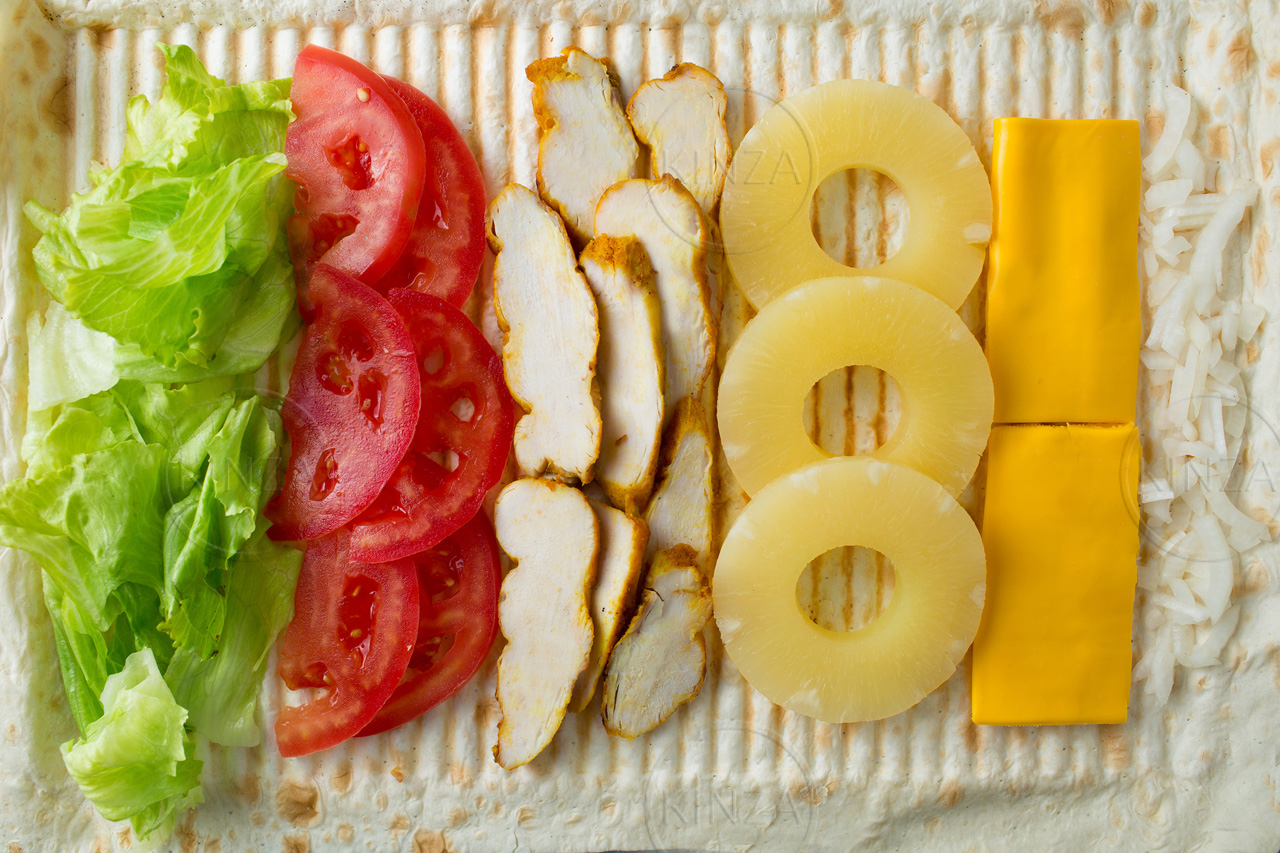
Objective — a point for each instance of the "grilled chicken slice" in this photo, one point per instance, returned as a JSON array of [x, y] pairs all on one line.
[[669, 224], [680, 117], [659, 663], [680, 511], [585, 144], [550, 333], [550, 531], [618, 569], [628, 368]]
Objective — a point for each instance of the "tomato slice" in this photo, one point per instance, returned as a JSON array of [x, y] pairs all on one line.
[[458, 582], [358, 158], [353, 403], [445, 249], [352, 636], [467, 413]]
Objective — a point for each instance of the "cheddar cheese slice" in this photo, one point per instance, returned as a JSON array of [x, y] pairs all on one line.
[[1060, 529], [1063, 318]]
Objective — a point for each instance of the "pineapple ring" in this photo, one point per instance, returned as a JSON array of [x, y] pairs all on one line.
[[802, 336], [849, 124], [900, 656]]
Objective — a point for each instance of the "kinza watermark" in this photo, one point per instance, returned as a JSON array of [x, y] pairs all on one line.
[[731, 812]]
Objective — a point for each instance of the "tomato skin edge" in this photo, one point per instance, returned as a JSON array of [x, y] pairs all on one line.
[[379, 540], [452, 181], [373, 259], [350, 694], [289, 523], [425, 690]]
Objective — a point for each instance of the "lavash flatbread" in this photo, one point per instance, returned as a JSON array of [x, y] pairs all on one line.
[[729, 769]]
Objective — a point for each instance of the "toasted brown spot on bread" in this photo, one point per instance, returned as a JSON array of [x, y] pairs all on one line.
[[431, 841], [1220, 141], [249, 788], [1115, 747], [1108, 10], [1153, 124], [298, 803], [1067, 20], [1239, 58], [950, 794], [340, 778], [186, 834]]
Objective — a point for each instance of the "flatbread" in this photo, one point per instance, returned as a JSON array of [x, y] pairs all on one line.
[[729, 769]]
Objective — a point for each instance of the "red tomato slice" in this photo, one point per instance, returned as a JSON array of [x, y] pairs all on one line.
[[467, 412], [353, 403], [458, 583], [352, 636], [357, 156], [445, 250]]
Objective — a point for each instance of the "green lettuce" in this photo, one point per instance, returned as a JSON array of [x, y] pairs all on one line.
[[177, 253], [142, 505], [221, 691], [135, 761], [66, 360], [206, 529], [149, 455], [138, 504]]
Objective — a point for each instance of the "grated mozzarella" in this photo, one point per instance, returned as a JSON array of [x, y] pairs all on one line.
[[1192, 357]]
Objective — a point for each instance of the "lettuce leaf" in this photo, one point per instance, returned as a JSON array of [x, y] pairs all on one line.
[[142, 505], [177, 253], [149, 456], [93, 525], [206, 530], [221, 691], [66, 360], [136, 762]]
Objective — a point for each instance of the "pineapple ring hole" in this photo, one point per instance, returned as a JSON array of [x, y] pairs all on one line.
[[864, 399], [846, 588], [859, 217]]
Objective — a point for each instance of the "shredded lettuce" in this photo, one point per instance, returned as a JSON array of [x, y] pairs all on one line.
[[177, 253], [149, 456], [221, 691], [67, 360], [142, 505], [135, 761], [138, 504]]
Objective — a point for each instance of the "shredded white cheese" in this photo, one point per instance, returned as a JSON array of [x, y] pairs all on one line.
[[1196, 415]]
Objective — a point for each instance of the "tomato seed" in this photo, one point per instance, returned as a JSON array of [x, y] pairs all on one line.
[[326, 476]]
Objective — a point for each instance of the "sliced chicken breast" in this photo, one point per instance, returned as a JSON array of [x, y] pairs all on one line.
[[628, 368], [680, 117], [660, 662], [585, 144], [550, 332], [550, 531], [619, 566], [681, 509], [667, 221]]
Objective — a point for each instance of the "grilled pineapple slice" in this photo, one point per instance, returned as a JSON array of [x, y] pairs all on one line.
[[849, 124], [803, 335], [907, 651]]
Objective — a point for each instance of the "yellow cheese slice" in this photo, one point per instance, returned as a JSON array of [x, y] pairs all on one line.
[[1063, 319], [1060, 529]]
